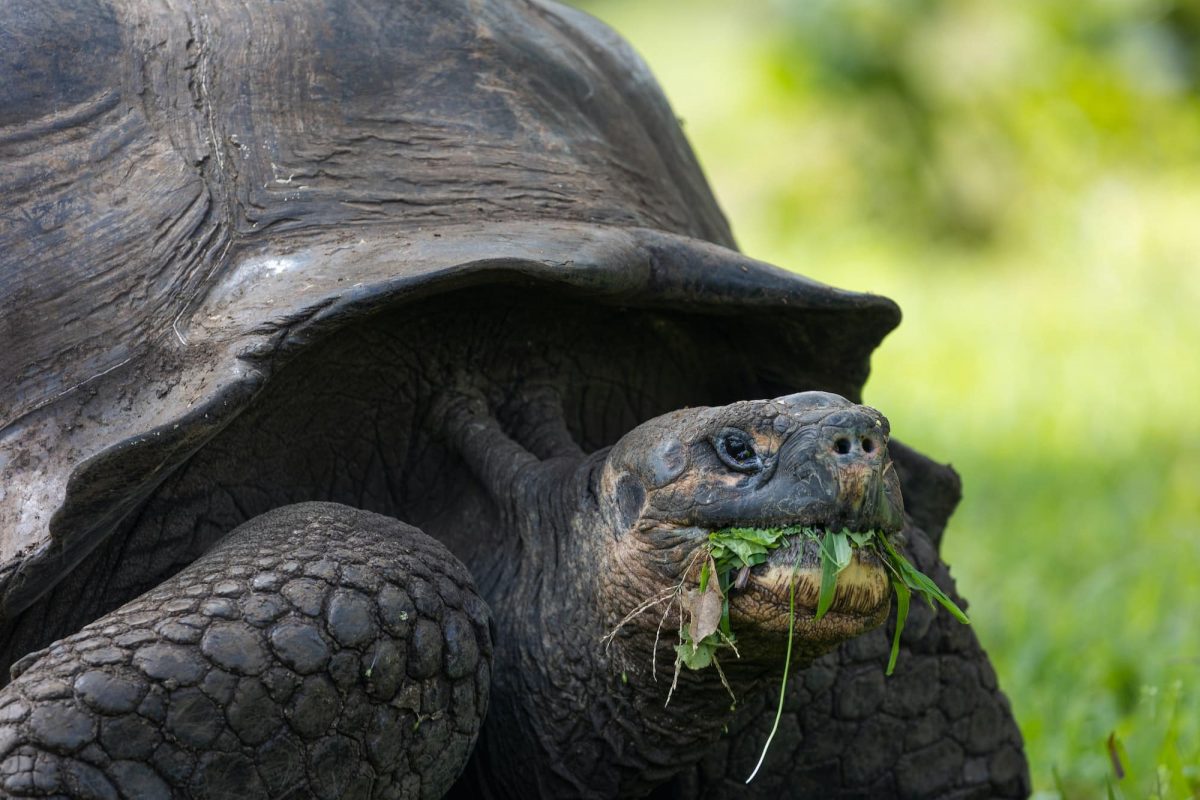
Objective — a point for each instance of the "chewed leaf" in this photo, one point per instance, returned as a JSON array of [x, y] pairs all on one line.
[[696, 655], [860, 539], [743, 549], [756, 559], [835, 557], [767, 537], [704, 611]]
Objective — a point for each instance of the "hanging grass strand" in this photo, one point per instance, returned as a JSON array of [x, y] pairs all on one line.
[[787, 663], [902, 598]]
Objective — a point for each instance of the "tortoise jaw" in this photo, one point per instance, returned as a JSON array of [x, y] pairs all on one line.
[[763, 598], [862, 588]]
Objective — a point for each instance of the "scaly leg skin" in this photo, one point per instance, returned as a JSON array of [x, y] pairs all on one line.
[[317, 651]]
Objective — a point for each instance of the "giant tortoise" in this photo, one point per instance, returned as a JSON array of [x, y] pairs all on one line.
[[367, 368]]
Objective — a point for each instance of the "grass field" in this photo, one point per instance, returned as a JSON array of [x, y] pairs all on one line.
[[1028, 189]]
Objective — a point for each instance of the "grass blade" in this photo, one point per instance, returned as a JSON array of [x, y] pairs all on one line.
[[835, 557], [921, 583], [787, 662], [902, 598]]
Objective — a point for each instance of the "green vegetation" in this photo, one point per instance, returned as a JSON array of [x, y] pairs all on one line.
[[739, 549], [1024, 179]]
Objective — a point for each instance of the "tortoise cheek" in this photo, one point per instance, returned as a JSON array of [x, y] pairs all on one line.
[[630, 500]]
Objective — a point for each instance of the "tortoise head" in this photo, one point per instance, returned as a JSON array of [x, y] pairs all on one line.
[[813, 460]]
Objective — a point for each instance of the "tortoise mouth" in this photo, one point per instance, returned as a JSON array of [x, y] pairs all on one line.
[[761, 595], [861, 588]]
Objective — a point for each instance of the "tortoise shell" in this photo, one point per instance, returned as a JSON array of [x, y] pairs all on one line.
[[194, 196]]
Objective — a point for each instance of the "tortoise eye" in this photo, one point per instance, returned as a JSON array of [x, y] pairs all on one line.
[[736, 449]]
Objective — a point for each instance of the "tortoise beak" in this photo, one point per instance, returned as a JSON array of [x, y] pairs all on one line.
[[868, 488], [870, 495]]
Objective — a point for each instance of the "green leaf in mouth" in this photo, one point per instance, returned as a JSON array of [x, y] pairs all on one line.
[[732, 549], [835, 557], [860, 538]]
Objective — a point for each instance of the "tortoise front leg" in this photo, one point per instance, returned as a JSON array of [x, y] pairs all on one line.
[[520, 452], [536, 419], [465, 419], [318, 650]]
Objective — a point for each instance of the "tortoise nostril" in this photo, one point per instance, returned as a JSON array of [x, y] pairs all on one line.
[[842, 445], [868, 445]]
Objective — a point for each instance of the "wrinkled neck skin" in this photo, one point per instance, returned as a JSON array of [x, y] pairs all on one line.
[[573, 714]]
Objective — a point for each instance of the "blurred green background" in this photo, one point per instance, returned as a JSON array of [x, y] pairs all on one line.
[[1024, 179]]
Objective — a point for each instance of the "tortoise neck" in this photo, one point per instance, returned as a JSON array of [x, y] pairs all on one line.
[[566, 721], [569, 715]]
